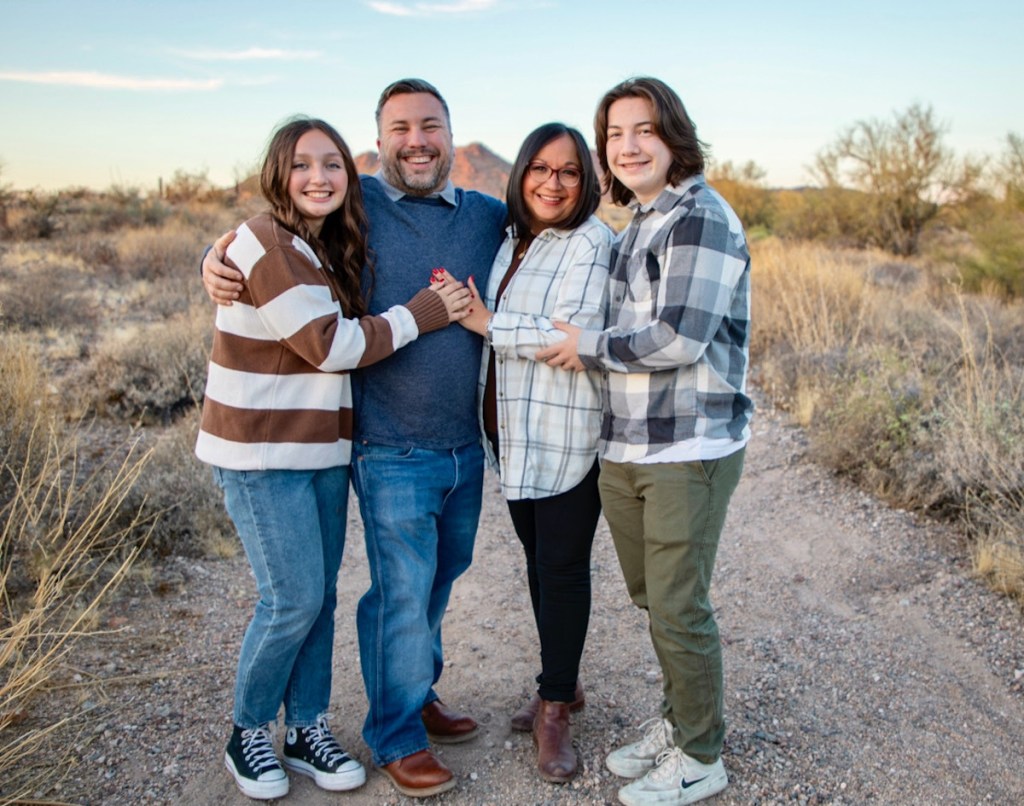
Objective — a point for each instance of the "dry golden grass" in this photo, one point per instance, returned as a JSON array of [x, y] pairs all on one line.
[[82, 501], [910, 387], [65, 545]]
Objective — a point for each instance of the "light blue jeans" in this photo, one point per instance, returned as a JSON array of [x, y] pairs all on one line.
[[292, 525], [420, 510]]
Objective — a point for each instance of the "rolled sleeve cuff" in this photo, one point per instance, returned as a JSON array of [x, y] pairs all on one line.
[[429, 311], [587, 348]]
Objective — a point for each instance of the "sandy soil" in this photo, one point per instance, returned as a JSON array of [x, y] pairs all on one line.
[[863, 664]]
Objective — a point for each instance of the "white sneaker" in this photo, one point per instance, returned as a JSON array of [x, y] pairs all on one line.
[[675, 780], [638, 758]]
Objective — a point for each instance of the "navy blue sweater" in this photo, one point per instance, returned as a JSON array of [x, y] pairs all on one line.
[[424, 396]]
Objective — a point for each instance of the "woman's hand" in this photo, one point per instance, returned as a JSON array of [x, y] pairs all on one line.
[[563, 354], [475, 315], [222, 283], [456, 296]]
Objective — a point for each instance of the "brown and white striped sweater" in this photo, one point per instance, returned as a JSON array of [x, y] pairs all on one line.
[[278, 393]]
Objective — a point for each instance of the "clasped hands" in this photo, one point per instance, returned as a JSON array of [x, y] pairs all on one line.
[[563, 354]]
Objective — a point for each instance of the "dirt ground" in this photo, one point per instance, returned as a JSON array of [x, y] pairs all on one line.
[[863, 664]]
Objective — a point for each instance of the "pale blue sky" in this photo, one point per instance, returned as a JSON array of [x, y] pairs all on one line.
[[104, 92]]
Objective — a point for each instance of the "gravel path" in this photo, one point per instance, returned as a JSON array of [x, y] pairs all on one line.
[[863, 664]]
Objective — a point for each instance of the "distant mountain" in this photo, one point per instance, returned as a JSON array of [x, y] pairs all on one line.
[[475, 167]]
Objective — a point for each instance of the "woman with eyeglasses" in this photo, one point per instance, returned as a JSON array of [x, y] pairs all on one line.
[[541, 423]]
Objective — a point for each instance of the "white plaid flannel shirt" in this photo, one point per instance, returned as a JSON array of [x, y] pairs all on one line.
[[548, 418]]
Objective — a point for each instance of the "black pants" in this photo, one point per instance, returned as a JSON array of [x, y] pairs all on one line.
[[557, 534]]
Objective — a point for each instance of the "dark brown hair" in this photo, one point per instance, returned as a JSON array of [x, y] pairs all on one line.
[[671, 123], [590, 187], [409, 86], [342, 240]]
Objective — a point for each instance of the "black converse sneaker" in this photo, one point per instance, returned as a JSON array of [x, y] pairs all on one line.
[[250, 758], [315, 752]]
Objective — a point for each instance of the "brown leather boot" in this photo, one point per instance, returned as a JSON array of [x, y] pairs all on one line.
[[523, 718], [556, 758]]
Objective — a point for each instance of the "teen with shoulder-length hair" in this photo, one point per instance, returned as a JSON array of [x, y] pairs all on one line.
[[677, 419], [277, 428]]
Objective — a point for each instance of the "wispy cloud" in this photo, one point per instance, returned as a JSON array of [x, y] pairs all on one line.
[[105, 81], [429, 9], [250, 54]]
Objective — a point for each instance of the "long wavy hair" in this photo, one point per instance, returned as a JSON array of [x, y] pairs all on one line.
[[341, 244], [590, 186], [671, 123]]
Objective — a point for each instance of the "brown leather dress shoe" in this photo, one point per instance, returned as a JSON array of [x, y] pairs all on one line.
[[445, 726], [556, 758], [523, 718], [419, 775]]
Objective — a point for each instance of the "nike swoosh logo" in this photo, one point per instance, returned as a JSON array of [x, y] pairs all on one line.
[[688, 784]]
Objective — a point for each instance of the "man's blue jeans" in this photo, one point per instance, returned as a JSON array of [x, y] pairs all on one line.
[[420, 510], [292, 525]]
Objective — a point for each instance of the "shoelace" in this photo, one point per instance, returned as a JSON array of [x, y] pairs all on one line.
[[324, 745], [666, 765], [655, 735], [258, 750]]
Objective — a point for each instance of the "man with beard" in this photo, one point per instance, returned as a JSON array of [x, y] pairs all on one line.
[[417, 459]]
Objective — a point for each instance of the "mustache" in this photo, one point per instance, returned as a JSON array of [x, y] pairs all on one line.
[[419, 152]]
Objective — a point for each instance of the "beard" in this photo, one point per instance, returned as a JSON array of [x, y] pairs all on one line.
[[416, 183]]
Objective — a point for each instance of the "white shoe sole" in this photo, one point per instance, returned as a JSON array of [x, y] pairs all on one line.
[[631, 795], [257, 790], [331, 781], [628, 767]]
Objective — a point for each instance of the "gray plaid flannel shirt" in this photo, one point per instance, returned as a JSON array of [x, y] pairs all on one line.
[[676, 350]]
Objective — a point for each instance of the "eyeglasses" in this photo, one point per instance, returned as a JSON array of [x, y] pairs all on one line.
[[569, 177]]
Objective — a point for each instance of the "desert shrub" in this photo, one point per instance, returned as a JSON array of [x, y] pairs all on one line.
[[998, 265], [44, 289], [145, 212], [743, 187], [184, 187], [35, 216], [178, 494], [65, 553], [877, 425], [66, 542], [94, 249], [149, 374], [808, 314], [900, 165], [150, 252], [120, 207], [6, 199], [836, 216], [22, 399], [906, 385]]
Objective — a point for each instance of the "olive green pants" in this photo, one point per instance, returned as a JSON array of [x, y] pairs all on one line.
[[666, 520]]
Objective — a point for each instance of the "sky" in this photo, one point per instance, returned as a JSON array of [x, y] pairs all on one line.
[[100, 93]]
